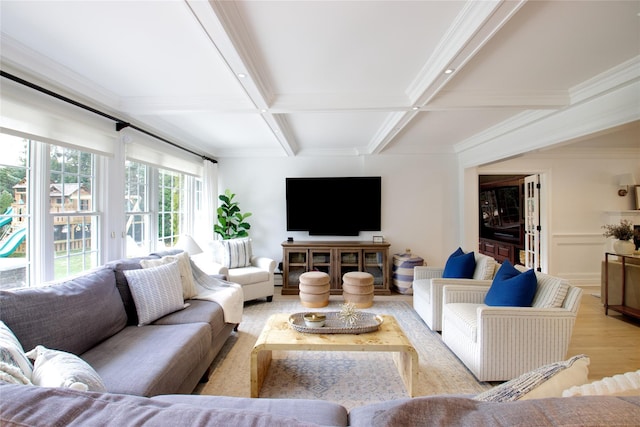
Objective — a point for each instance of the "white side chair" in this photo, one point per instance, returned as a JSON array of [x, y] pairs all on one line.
[[428, 284], [256, 279], [501, 343]]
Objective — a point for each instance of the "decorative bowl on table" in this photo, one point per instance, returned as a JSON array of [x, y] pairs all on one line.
[[314, 320]]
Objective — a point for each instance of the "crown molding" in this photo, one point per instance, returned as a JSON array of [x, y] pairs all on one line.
[[28, 64]]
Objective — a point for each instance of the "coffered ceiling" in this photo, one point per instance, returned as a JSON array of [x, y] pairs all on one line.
[[309, 78]]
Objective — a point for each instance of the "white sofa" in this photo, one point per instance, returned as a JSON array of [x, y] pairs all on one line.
[[500, 343], [428, 284]]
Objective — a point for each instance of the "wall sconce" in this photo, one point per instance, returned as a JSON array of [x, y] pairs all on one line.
[[626, 180]]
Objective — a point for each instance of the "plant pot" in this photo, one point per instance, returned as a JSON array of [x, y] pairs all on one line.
[[623, 247]]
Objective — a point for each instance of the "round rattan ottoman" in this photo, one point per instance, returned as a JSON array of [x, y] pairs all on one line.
[[314, 289], [357, 288]]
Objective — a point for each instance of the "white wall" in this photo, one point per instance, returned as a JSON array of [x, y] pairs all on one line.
[[419, 199], [421, 196]]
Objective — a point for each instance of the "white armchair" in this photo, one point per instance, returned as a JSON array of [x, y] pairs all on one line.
[[428, 284], [257, 280], [500, 343]]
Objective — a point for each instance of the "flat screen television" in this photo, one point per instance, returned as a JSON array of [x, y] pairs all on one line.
[[334, 206]]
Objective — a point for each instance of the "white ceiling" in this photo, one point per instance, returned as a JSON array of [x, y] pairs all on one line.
[[320, 77]]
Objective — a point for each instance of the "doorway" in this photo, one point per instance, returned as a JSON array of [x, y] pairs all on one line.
[[509, 218]]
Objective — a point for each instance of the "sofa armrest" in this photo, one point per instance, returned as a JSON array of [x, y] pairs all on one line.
[[204, 262], [425, 272], [264, 263], [473, 294]]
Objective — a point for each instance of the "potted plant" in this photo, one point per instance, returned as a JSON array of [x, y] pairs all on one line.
[[623, 232], [232, 222]]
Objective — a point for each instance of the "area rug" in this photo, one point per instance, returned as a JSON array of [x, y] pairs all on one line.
[[348, 378]]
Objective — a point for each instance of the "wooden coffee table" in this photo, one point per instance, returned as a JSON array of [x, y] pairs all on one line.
[[278, 335]]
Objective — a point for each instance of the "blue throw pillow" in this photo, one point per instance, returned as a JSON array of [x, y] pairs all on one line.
[[460, 265], [511, 288]]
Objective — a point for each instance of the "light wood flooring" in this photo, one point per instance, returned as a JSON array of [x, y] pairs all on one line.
[[612, 342]]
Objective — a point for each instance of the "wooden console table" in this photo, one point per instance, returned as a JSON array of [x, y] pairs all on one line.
[[335, 258], [622, 308]]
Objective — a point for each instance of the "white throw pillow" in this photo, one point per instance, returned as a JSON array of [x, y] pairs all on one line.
[[54, 368], [627, 384], [551, 291], [156, 291], [547, 381], [237, 252], [184, 265], [11, 351]]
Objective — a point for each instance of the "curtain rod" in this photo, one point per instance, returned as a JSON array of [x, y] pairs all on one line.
[[120, 124]]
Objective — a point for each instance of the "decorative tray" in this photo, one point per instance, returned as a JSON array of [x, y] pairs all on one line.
[[367, 322]]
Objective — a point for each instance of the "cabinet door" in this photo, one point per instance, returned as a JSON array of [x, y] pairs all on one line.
[[348, 260], [320, 260], [295, 265], [374, 263]]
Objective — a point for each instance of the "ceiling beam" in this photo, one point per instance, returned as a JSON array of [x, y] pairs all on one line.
[[474, 26], [223, 25]]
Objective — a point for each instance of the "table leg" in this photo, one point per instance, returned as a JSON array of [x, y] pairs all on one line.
[[407, 363], [260, 361]]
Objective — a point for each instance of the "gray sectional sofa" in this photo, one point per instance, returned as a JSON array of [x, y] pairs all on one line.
[[94, 316], [23, 405]]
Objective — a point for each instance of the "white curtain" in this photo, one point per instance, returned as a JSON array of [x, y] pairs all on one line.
[[27, 113], [208, 216], [143, 148]]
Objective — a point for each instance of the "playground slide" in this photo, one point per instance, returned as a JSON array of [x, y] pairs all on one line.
[[12, 243], [6, 217]]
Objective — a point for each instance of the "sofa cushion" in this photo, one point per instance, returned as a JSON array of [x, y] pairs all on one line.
[[71, 316], [39, 406], [119, 267], [627, 384], [551, 291], [317, 411], [198, 311], [459, 265], [463, 316], [184, 265], [12, 354], [485, 267], [511, 288], [157, 291], [53, 368], [236, 252], [546, 381], [152, 359], [458, 411], [248, 275]]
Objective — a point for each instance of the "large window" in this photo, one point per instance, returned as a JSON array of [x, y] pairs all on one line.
[[151, 192], [65, 232]]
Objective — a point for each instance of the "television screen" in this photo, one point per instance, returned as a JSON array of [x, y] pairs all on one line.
[[333, 206]]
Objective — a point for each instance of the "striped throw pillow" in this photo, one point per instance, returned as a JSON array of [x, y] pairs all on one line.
[[237, 253], [156, 291], [546, 381], [551, 291]]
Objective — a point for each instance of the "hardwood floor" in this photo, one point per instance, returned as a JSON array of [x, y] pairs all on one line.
[[612, 342]]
